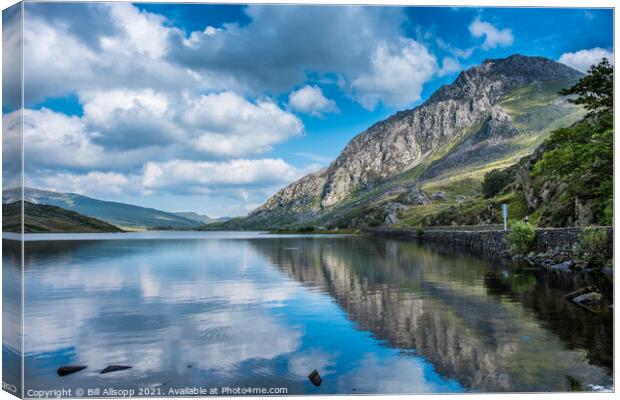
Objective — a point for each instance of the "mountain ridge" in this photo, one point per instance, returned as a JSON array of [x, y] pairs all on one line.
[[125, 216], [39, 218], [493, 104]]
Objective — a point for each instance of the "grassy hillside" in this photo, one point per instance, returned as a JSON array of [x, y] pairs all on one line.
[[126, 216], [535, 111], [567, 181], [45, 218]]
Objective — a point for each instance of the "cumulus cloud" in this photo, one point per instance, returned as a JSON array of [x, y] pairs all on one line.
[[229, 125], [57, 141], [156, 98], [311, 100], [200, 175], [582, 60], [493, 37], [280, 45], [61, 59], [398, 72], [95, 183], [449, 65], [11, 57], [244, 179], [273, 53]]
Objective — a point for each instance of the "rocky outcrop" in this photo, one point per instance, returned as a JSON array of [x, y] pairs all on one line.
[[466, 109], [404, 140], [300, 197]]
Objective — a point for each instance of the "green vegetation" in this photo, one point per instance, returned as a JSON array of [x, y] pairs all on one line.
[[580, 158], [567, 181], [126, 216], [521, 237], [592, 247], [495, 181], [595, 91], [46, 218]]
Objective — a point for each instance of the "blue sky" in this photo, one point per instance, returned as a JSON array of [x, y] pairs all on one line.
[[213, 108]]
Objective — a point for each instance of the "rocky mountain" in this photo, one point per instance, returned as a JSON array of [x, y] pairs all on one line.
[[126, 216], [490, 115]]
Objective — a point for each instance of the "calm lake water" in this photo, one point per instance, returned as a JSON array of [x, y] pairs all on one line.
[[373, 315]]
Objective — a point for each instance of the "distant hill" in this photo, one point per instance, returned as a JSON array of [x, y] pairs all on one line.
[[125, 216], [205, 219], [46, 218]]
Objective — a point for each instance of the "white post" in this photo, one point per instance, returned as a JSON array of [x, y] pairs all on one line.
[[505, 215]]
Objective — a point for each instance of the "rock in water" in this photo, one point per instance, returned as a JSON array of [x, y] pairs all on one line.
[[588, 298], [315, 378], [584, 290], [112, 368], [565, 266], [70, 369]]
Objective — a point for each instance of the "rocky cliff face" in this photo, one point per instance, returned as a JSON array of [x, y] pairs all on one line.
[[410, 138]]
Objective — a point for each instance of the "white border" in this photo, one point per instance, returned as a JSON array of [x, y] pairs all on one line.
[[461, 3]]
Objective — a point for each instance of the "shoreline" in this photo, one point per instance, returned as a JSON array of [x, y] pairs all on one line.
[[553, 246], [552, 256]]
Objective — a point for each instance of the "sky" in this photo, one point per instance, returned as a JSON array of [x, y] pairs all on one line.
[[213, 108]]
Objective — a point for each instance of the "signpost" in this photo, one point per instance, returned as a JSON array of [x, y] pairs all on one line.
[[505, 215]]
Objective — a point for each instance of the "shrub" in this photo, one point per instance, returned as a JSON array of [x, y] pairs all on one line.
[[494, 181], [521, 237], [592, 246], [419, 233]]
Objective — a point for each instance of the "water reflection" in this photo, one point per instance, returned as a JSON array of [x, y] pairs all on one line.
[[492, 327], [11, 315], [373, 316]]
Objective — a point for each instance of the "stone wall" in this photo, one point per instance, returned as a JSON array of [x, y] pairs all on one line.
[[494, 242]]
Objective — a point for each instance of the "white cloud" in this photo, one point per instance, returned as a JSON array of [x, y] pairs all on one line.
[[59, 61], [95, 183], [449, 65], [229, 125], [582, 60], [399, 70], [202, 175], [156, 97], [280, 46], [493, 37], [311, 100], [11, 57], [58, 141]]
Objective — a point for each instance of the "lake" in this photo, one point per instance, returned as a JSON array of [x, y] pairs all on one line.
[[218, 309]]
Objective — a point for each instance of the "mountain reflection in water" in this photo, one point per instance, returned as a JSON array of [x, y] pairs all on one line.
[[491, 326], [372, 315]]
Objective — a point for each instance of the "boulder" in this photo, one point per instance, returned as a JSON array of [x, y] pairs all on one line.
[[315, 378], [415, 197], [395, 207], [391, 219], [439, 195], [584, 290], [565, 266], [588, 298]]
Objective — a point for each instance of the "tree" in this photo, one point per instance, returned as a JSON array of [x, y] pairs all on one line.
[[580, 157], [595, 91], [494, 181]]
